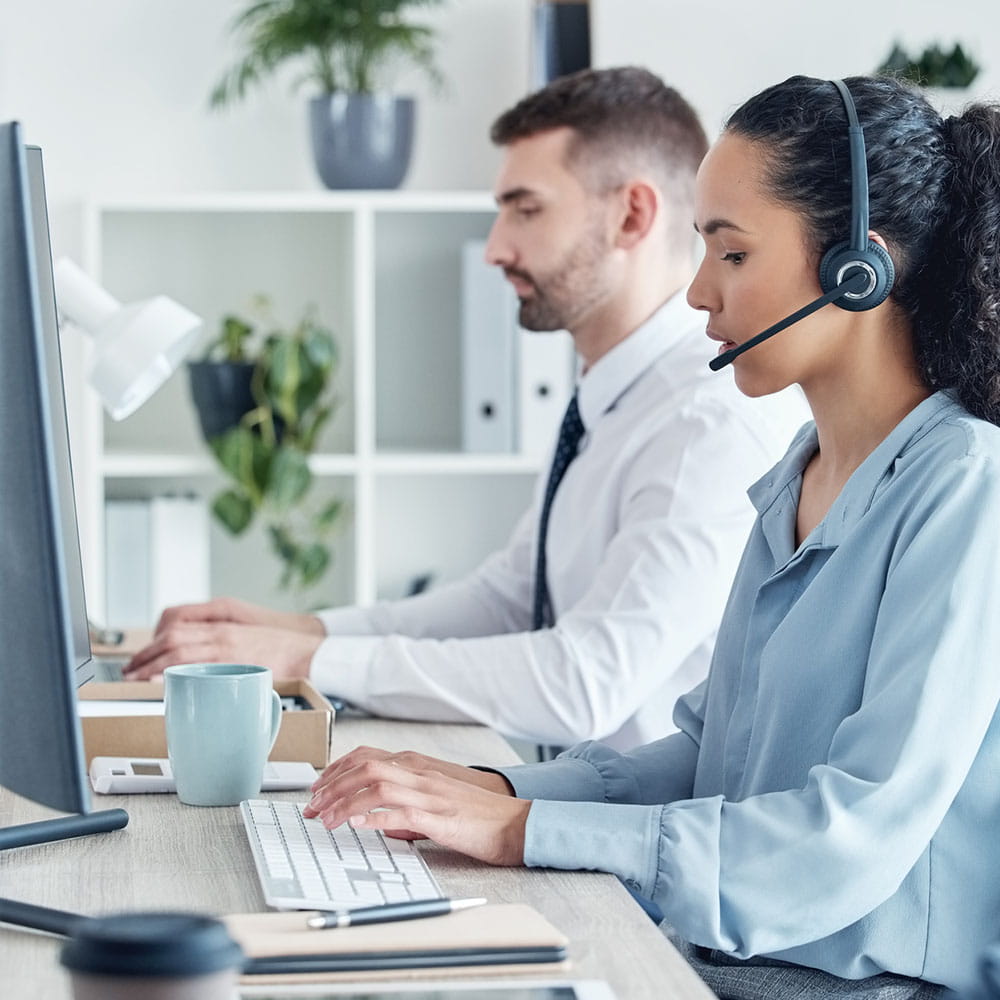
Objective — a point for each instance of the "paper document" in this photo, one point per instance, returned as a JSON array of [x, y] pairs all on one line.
[[103, 709]]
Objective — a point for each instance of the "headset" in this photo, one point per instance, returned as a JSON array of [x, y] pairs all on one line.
[[854, 275]]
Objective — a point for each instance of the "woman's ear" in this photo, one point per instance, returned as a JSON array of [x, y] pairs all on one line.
[[877, 238], [639, 207]]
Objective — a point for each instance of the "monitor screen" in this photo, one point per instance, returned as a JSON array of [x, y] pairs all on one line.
[[43, 620], [62, 465]]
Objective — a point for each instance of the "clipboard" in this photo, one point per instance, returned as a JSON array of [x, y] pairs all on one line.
[[500, 938]]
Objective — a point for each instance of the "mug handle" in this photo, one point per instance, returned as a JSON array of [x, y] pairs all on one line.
[[275, 719]]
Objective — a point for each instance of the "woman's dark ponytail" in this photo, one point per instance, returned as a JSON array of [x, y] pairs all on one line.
[[958, 330]]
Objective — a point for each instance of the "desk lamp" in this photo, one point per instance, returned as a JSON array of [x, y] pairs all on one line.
[[137, 347]]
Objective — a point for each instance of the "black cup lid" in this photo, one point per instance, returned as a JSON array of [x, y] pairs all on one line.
[[151, 944]]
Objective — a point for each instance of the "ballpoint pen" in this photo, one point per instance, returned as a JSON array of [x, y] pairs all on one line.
[[391, 911]]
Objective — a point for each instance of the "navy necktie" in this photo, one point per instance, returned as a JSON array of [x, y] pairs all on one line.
[[569, 440]]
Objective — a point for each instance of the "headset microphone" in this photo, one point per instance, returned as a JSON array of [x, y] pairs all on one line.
[[854, 282], [857, 275]]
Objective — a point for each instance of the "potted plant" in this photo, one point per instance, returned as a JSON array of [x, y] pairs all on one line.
[[361, 135], [262, 399], [944, 77], [933, 67]]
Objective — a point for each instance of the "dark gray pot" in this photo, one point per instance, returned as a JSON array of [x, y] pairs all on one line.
[[221, 394], [361, 140]]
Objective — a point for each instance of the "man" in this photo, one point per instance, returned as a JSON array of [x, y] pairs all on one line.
[[644, 528]]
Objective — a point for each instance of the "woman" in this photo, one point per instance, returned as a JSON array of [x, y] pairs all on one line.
[[825, 822]]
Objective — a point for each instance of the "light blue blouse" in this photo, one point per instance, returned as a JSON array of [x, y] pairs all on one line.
[[833, 797]]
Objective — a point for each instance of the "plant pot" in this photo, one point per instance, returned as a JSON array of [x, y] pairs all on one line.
[[221, 394], [361, 140]]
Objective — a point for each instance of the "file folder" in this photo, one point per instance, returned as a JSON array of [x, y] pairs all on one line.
[[546, 376], [489, 354]]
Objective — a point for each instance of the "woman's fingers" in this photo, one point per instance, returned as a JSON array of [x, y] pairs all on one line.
[[413, 761], [380, 794]]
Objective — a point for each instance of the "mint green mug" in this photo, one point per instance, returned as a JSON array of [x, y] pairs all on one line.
[[222, 720]]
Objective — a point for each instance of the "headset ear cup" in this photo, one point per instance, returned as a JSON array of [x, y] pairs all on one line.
[[875, 258]]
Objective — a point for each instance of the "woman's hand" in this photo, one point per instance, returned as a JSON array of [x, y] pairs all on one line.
[[419, 800], [413, 761]]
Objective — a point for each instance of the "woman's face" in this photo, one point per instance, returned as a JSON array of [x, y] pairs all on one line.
[[757, 269]]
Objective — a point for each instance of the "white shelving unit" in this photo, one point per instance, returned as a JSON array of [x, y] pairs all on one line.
[[383, 271]]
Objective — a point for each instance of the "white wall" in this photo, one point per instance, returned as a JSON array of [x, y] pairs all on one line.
[[717, 53], [115, 92]]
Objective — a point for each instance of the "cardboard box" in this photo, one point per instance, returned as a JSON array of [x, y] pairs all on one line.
[[305, 733]]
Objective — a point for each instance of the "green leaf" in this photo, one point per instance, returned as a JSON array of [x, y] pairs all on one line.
[[234, 452], [282, 377], [344, 44], [233, 338], [282, 542], [320, 347], [246, 458], [311, 428], [290, 477], [312, 562], [234, 510], [329, 514], [933, 68], [311, 386]]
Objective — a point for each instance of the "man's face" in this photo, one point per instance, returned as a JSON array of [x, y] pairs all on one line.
[[551, 236]]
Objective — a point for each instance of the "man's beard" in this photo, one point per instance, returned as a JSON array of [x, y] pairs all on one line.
[[569, 290]]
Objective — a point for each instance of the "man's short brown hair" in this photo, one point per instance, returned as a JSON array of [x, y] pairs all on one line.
[[625, 120]]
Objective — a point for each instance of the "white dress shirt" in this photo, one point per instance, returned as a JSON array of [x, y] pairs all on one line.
[[644, 536]]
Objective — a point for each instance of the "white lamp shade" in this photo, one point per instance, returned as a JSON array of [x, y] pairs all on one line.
[[136, 347]]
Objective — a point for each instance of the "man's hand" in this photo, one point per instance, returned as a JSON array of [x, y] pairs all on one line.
[[420, 800], [230, 609], [287, 653]]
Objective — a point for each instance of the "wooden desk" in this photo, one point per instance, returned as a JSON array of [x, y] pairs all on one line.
[[173, 856]]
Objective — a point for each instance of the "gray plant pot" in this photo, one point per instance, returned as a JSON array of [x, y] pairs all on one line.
[[221, 394], [361, 140]]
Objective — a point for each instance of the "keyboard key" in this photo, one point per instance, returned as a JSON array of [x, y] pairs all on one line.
[[302, 865]]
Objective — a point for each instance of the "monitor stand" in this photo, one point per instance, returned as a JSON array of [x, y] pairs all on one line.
[[65, 827]]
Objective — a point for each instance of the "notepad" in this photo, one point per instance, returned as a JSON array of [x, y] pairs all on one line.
[[497, 938]]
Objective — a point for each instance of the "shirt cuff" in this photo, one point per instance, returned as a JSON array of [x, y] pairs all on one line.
[[565, 779], [346, 621], [341, 666], [595, 836]]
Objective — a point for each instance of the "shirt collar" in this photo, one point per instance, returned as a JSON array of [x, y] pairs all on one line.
[[856, 497], [608, 380]]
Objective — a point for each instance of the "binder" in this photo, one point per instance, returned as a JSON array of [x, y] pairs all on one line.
[[497, 938], [546, 384], [178, 552], [156, 555], [126, 563], [489, 348]]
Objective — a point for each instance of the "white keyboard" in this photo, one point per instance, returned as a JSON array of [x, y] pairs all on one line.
[[303, 866]]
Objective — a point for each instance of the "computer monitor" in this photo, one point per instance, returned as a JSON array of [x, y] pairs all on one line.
[[44, 643]]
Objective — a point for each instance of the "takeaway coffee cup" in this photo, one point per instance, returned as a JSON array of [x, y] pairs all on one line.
[[221, 721], [156, 956]]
